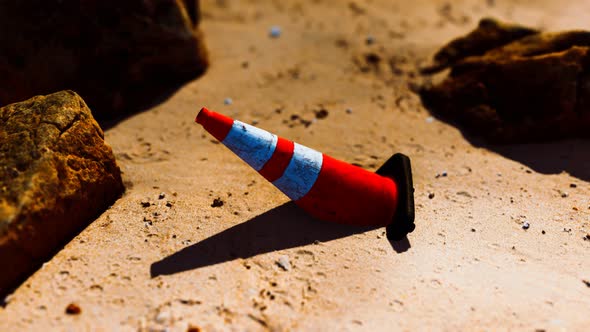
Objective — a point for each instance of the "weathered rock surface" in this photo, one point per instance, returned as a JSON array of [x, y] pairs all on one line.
[[56, 174], [534, 87], [118, 55]]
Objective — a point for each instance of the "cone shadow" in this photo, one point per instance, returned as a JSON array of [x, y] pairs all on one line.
[[401, 246], [283, 227]]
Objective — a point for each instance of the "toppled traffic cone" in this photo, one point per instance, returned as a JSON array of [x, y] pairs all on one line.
[[324, 187]]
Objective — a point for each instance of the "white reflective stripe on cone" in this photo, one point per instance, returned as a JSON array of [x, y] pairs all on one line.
[[301, 173], [254, 145]]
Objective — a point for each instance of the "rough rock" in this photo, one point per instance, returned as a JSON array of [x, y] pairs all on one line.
[[56, 175], [118, 55], [534, 87]]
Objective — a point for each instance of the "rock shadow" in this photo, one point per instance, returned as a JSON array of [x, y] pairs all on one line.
[[547, 157], [571, 156], [283, 227]]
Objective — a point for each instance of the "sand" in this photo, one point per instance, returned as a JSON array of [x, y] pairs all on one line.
[[469, 265]]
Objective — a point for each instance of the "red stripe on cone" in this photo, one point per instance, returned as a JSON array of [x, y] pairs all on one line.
[[276, 165], [216, 124], [348, 194]]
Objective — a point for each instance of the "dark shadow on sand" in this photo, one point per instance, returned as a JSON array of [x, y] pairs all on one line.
[[551, 157], [143, 101], [283, 227], [571, 156], [401, 246]]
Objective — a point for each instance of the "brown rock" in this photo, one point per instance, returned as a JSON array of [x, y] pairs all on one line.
[[119, 55], [533, 88], [56, 175]]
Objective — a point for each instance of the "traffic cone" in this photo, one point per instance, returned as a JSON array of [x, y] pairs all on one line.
[[326, 188]]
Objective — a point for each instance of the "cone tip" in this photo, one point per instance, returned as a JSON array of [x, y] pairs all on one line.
[[202, 113]]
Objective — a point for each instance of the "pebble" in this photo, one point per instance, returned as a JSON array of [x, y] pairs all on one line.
[[228, 101], [146, 202], [162, 195], [275, 31], [321, 114], [163, 317], [349, 111], [573, 185], [217, 202], [284, 263], [370, 40], [564, 194], [73, 309], [430, 119], [526, 225], [431, 195]]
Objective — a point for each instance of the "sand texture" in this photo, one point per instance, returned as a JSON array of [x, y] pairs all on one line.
[[199, 239]]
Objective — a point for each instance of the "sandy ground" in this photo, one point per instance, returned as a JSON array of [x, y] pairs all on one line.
[[469, 265]]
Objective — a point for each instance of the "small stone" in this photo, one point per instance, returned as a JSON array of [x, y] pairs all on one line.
[[564, 194], [587, 237], [193, 328], [586, 282], [526, 225], [275, 31], [431, 195], [163, 317], [349, 111], [473, 230], [370, 40], [73, 309], [217, 202], [145, 202], [284, 263], [573, 185], [430, 119], [162, 195], [321, 114], [228, 101], [543, 232]]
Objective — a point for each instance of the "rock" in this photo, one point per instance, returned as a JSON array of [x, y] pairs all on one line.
[[534, 87], [56, 175], [489, 34], [119, 56]]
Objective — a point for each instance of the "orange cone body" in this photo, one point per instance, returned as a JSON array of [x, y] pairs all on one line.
[[326, 188]]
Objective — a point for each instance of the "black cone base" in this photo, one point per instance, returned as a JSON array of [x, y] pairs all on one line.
[[399, 169]]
